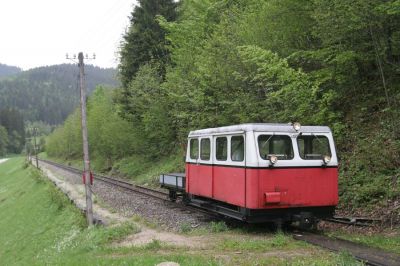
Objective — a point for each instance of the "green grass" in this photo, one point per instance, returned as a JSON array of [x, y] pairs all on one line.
[[142, 171], [39, 226]]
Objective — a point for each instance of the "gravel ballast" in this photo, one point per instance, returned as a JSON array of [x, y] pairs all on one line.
[[128, 204]]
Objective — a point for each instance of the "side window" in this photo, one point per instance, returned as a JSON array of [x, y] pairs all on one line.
[[237, 148], [221, 149], [205, 149], [278, 145], [313, 147], [194, 149]]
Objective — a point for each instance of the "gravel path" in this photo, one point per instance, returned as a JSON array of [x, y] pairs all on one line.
[[128, 204], [3, 160]]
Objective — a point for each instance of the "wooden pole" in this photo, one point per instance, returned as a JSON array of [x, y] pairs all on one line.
[[86, 161], [36, 149]]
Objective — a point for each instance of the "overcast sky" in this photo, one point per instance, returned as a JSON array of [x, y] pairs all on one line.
[[40, 32]]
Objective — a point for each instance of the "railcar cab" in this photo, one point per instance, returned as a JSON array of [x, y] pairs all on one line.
[[263, 172]]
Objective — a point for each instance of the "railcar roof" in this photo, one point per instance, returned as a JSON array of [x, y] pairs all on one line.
[[260, 127]]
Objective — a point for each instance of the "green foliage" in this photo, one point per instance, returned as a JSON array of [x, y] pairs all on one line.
[[217, 227], [145, 40], [370, 172], [6, 70], [3, 141], [13, 122], [147, 171], [109, 135], [147, 110], [66, 141]]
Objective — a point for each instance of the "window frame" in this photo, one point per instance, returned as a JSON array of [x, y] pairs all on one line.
[[227, 148], [244, 148], [314, 136], [272, 134], [190, 149], [201, 148]]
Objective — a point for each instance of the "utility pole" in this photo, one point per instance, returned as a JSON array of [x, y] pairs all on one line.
[[36, 149], [86, 162]]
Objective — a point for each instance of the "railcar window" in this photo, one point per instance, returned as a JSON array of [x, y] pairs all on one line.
[[194, 149], [313, 147], [237, 148], [221, 152], [278, 145], [205, 149]]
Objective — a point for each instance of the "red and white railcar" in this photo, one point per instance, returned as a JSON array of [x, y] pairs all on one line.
[[261, 172]]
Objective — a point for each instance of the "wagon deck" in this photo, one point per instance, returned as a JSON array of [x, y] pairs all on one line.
[[175, 181]]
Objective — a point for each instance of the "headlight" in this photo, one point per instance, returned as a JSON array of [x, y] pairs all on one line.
[[273, 159], [296, 126], [327, 159]]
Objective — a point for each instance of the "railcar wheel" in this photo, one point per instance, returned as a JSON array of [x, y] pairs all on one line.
[[172, 195], [185, 198], [308, 223]]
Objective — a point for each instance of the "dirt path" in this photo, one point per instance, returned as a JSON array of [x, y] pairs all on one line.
[[76, 193]]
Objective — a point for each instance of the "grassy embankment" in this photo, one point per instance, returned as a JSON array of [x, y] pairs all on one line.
[[40, 226]]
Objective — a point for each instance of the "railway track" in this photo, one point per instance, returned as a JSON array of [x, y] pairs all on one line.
[[160, 195], [357, 221], [153, 193], [368, 255]]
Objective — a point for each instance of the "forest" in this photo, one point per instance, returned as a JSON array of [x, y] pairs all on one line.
[[6, 70], [206, 63], [12, 131], [49, 94], [33, 102]]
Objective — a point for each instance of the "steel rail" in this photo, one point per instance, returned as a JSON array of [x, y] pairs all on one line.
[[154, 193], [116, 182], [368, 255], [357, 221]]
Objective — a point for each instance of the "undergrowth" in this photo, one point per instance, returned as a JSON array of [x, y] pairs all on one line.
[[370, 164]]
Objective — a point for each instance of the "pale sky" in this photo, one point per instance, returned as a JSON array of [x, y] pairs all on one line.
[[40, 32]]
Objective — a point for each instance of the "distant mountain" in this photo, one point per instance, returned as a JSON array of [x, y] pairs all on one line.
[[50, 93], [6, 70]]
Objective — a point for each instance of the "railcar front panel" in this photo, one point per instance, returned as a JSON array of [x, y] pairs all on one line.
[[258, 188], [295, 187]]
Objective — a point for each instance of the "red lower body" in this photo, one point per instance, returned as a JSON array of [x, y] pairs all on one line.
[[264, 188]]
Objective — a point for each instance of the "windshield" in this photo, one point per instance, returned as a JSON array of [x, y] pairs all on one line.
[[313, 147], [278, 145]]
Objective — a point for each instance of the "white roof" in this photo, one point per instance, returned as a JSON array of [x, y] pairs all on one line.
[[259, 127]]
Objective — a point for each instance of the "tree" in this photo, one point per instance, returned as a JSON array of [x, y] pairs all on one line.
[[145, 40], [3, 141], [13, 121]]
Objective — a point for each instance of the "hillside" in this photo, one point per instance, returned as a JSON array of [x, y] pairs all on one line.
[[6, 70], [50, 93]]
